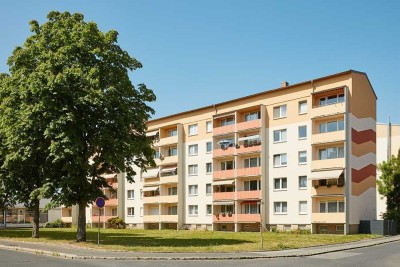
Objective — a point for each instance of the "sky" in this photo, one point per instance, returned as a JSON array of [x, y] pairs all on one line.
[[199, 53]]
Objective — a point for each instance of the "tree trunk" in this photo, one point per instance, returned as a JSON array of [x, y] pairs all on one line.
[[36, 218], [81, 233]]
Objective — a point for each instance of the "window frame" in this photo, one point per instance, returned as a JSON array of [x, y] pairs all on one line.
[[303, 212], [209, 170], [211, 147], [280, 135], [209, 127], [282, 112], [193, 208], [194, 168], [299, 131], [193, 129], [300, 107], [249, 116], [195, 147], [132, 191], [281, 208], [299, 157], [207, 210], [130, 214], [209, 192], [195, 188], [303, 177], [281, 183], [280, 160]]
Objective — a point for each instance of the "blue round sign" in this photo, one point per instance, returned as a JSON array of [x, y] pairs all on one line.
[[100, 202]]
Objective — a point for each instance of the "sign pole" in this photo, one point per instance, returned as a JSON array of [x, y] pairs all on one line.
[[98, 232], [100, 202]]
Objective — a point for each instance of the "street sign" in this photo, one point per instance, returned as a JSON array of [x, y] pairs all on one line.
[[100, 202]]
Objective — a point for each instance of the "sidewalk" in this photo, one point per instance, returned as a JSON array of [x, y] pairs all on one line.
[[75, 252]]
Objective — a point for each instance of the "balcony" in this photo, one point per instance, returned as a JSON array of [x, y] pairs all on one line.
[[253, 171], [224, 129], [243, 126], [328, 164], [249, 149], [169, 179], [328, 137], [255, 194], [224, 196], [151, 200], [223, 174], [328, 110], [169, 160], [111, 202], [103, 219], [339, 217], [324, 190], [169, 218], [151, 218], [248, 217], [169, 199], [220, 217], [66, 219], [168, 140], [114, 185], [230, 151]]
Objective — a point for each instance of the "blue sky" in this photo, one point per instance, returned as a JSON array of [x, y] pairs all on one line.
[[197, 53]]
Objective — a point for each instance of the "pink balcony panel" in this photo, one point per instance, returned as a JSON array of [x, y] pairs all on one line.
[[248, 217], [223, 174], [248, 149], [248, 125], [220, 218], [111, 202], [103, 219], [253, 171], [224, 129], [256, 194], [224, 152], [224, 196]]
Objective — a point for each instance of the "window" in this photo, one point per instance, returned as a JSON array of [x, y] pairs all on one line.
[[172, 132], [303, 107], [302, 182], [141, 211], [333, 99], [280, 160], [331, 153], [208, 189], [193, 210], [193, 169], [141, 193], [252, 185], [172, 151], [302, 207], [209, 209], [114, 212], [193, 150], [209, 167], [193, 190], [172, 210], [331, 206], [131, 211], [280, 183], [131, 194], [172, 191], [227, 121], [252, 162], [340, 228], [209, 126], [209, 147], [250, 208], [252, 116], [303, 157], [280, 112], [227, 165], [331, 126], [303, 132], [193, 129], [280, 136], [157, 154], [280, 207]]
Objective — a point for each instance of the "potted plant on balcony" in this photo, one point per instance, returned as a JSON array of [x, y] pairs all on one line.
[[223, 214], [230, 213]]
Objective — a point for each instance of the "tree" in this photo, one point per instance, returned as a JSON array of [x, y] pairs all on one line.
[[389, 186], [92, 116]]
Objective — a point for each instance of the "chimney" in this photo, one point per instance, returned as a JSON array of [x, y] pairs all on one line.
[[284, 84]]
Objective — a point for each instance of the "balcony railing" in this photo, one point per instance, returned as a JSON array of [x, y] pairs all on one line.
[[151, 218], [242, 126], [248, 217], [111, 202], [169, 218], [255, 194], [169, 179], [328, 137], [169, 160], [103, 219], [230, 151], [224, 129], [169, 199], [66, 219], [339, 217], [224, 196], [248, 149], [221, 217], [324, 190], [328, 164], [151, 200], [328, 110], [168, 140], [223, 174], [253, 171]]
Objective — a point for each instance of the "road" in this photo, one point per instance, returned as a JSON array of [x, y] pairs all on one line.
[[381, 255]]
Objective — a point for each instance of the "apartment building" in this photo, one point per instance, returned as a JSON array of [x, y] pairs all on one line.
[[300, 156]]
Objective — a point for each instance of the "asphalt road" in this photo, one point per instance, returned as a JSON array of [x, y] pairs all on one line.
[[381, 255]]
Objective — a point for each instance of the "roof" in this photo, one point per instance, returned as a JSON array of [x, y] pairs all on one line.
[[266, 92]]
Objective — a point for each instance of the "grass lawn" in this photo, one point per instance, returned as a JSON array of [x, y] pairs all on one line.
[[180, 241]]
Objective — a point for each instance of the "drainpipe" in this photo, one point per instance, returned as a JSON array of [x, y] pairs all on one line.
[[389, 140], [347, 160]]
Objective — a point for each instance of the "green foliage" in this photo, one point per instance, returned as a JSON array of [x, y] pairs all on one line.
[[389, 186], [116, 222], [71, 113], [55, 224]]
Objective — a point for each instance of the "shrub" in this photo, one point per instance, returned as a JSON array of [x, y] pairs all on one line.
[[55, 224], [116, 222]]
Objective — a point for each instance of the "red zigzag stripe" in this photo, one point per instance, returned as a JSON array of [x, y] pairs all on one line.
[[360, 175], [363, 136]]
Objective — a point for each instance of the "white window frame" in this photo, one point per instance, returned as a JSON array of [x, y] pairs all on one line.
[[300, 178], [247, 185], [171, 211], [193, 170], [249, 162], [130, 211], [193, 150], [193, 210], [172, 132], [193, 129], [324, 126], [130, 194], [281, 205], [251, 116], [302, 137], [193, 190], [208, 192], [171, 191], [306, 207], [301, 106], [211, 147], [211, 169], [280, 160], [326, 151], [282, 110], [141, 211], [209, 126], [300, 157], [227, 121], [223, 165], [326, 208], [281, 184], [282, 136], [207, 209]]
